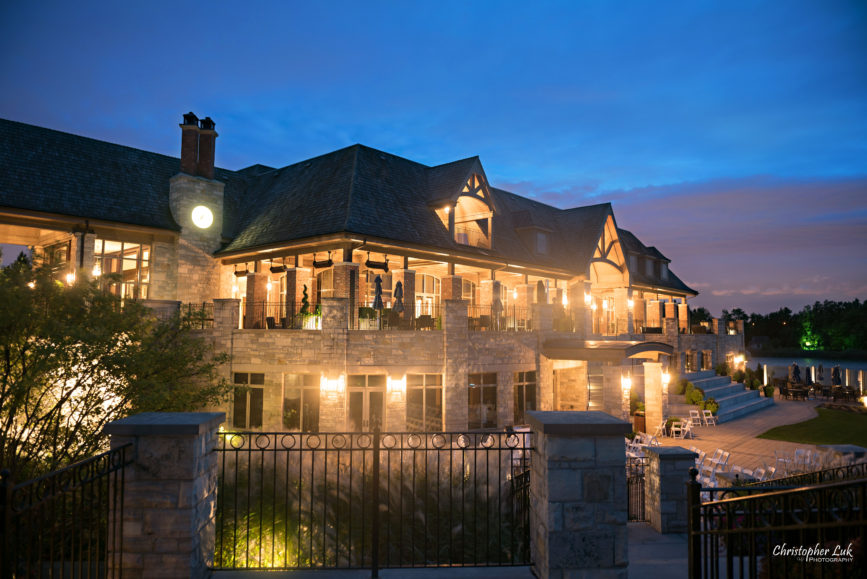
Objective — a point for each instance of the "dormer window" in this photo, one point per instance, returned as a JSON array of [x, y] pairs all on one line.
[[473, 214]]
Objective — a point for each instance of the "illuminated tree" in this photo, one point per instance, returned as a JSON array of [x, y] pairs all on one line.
[[75, 358]]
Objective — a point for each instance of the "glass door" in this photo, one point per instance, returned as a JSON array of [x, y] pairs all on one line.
[[366, 401]]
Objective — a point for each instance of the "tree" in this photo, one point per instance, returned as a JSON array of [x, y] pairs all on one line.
[[74, 358], [699, 315]]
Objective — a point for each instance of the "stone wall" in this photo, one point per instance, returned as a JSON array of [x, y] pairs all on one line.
[[665, 480]]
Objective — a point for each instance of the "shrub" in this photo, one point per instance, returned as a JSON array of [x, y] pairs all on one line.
[[635, 405], [695, 396], [738, 376], [756, 384], [680, 386], [722, 369], [769, 391], [710, 404]]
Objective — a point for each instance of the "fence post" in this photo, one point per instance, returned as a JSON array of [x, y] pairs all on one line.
[[667, 466], [169, 499], [693, 502], [374, 519], [578, 504]]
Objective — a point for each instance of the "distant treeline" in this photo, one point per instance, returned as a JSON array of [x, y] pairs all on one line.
[[827, 326]]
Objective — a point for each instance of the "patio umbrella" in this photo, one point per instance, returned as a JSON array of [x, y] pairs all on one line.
[[377, 298], [796, 372], [398, 298]]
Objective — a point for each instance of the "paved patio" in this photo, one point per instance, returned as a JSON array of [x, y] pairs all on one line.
[[739, 436]]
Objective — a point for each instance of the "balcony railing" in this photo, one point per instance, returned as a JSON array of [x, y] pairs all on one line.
[[426, 317], [274, 316], [499, 319]]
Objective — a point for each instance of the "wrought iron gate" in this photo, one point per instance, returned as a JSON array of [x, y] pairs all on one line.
[[371, 500]]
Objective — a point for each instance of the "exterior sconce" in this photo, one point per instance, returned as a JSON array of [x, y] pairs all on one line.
[[447, 209], [666, 378], [396, 386], [202, 217], [587, 298], [97, 271], [31, 284], [630, 303], [332, 385], [269, 285], [594, 307], [515, 294], [70, 278], [626, 383]]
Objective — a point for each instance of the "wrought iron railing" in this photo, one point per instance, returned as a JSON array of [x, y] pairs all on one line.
[[68, 523], [635, 466], [198, 316], [276, 316], [835, 474], [371, 500], [427, 317], [499, 318], [811, 531]]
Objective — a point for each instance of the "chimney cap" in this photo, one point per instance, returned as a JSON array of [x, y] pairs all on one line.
[[207, 124], [191, 119]]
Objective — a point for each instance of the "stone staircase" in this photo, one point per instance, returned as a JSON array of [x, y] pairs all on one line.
[[734, 399]]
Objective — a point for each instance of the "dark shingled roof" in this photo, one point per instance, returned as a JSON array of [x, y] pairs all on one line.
[[55, 172], [631, 244], [356, 190]]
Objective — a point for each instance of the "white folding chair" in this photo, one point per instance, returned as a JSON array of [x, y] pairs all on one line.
[[694, 418], [678, 429], [709, 418]]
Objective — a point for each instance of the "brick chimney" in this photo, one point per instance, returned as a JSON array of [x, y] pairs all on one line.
[[189, 143], [207, 138]]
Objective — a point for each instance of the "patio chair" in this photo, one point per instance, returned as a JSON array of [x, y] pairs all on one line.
[[677, 429], [660, 430], [782, 462], [759, 474], [709, 418], [694, 418]]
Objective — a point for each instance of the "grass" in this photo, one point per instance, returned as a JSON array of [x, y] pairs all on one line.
[[830, 427]]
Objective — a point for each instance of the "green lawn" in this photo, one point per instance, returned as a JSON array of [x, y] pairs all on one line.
[[830, 427]]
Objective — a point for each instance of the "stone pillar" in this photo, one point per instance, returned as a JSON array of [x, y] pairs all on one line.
[[254, 307], [170, 493], [455, 346], [654, 314], [664, 489], [227, 313], [407, 278], [639, 314], [346, 286], [335, 313], [543, 317], [292, 302], [670, 310], [717, 327], [669, 326], [614, 402], [451, 287], [578, 506], [739, 325], [506, 398], [622, 313], [683, 317], [655, 404]]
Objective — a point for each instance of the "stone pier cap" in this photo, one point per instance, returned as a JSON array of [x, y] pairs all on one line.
[[577, 423], [166, 424]]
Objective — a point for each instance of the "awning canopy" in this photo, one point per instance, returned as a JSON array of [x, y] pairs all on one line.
[[603, 350]]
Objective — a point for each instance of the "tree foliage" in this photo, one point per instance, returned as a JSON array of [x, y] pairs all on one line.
[[73, 359], [829, 326]]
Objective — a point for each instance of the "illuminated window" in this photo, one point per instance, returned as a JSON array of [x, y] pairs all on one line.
[[424, 402], [427, 294], [248, 404], [365, 401], [473, 214], [525, 395], [301, 402], [482, 401], [468, 291], [324, 285], [124, 267]]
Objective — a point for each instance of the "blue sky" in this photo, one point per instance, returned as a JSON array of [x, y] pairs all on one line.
[[733, 136]]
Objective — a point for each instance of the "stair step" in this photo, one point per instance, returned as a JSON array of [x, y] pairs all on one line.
[[693, 376], [740, 399], [740, 411]]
